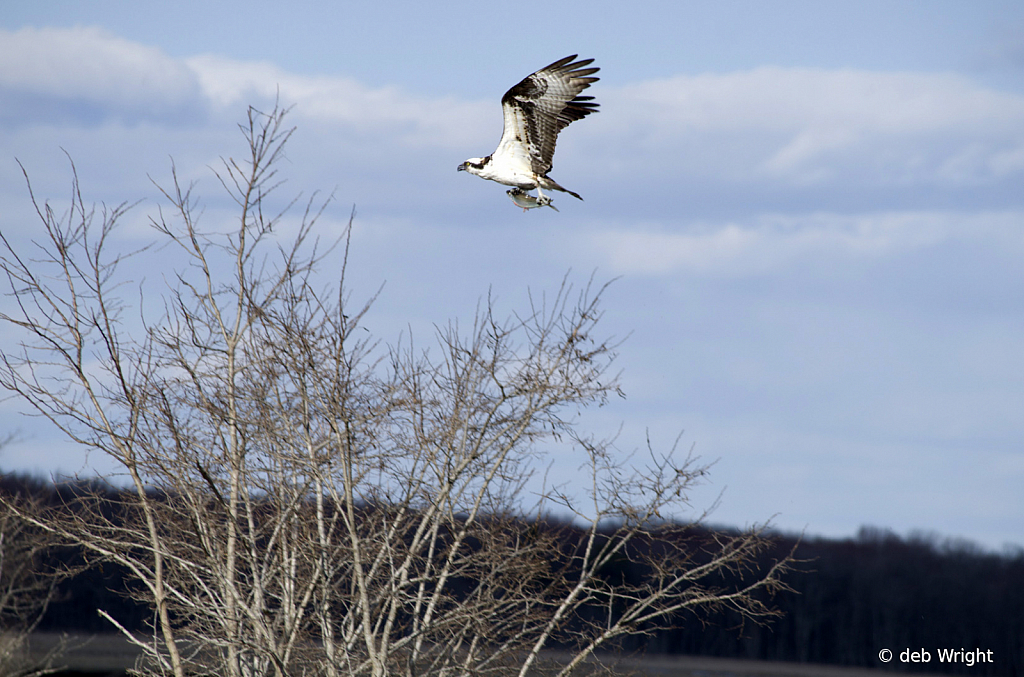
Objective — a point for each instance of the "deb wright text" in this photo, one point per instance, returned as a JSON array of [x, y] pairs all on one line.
[[967, 657]]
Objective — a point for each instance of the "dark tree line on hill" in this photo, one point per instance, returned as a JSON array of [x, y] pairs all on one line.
[[850, 598], [854, 597]]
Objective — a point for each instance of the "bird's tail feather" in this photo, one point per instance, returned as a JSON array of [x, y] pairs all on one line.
[[552, 184]]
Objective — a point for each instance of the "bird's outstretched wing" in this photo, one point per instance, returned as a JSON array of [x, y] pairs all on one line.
[[541, 106]]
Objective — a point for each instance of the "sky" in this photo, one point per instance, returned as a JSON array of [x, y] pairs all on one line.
[[813, 212]]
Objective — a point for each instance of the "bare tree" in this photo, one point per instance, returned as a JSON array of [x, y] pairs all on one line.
[[304, 500]]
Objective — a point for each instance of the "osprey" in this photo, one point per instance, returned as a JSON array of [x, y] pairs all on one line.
[[535, 111]]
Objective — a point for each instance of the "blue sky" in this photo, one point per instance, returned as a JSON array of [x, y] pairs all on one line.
[[815, 211]]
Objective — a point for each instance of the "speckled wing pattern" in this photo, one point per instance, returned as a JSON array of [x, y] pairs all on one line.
[[541, 106]]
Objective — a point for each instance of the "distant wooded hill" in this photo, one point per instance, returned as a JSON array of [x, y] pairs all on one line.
[[852, 598]]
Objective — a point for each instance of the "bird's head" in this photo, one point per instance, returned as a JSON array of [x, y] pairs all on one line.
[[474, 164]]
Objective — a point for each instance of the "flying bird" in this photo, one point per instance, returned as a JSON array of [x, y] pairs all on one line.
[[535, 111]]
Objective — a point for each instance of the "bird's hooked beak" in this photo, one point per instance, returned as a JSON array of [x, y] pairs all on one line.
[[462, 167]]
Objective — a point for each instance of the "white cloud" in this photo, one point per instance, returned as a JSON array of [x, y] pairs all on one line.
[[344, 101], [784, 99], [89, 74], [40, 69], [804, 126], [771, 242]]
